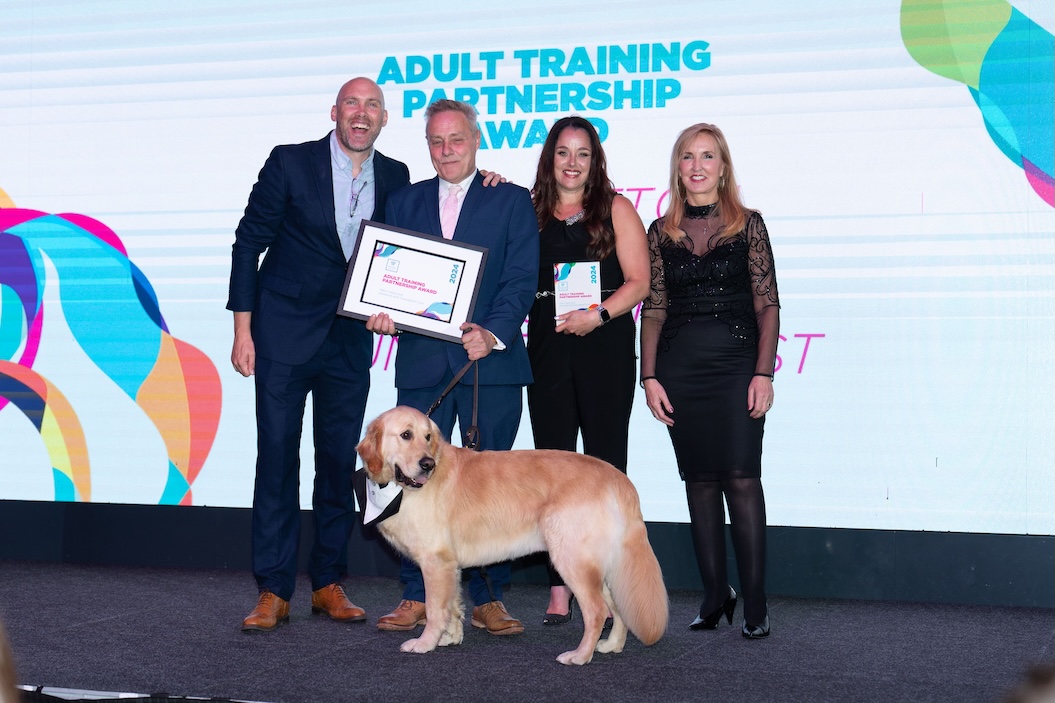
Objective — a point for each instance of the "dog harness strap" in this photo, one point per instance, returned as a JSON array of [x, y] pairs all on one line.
[[472, 435]]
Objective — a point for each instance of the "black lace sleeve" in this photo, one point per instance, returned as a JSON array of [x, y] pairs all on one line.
[[764, 292], [654, 307]]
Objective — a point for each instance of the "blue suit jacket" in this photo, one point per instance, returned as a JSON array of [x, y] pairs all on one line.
[[295, 293], [502, 219]]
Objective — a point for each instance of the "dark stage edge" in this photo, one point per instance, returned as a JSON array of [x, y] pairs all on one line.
[[149, 630], [807, 562], [42, 694]]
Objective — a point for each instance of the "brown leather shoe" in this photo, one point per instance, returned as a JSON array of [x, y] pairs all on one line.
[[332, 601], [408, 615], [270, 612], [496, 619]]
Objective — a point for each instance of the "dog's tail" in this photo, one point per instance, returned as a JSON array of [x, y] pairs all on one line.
[[636, 584]]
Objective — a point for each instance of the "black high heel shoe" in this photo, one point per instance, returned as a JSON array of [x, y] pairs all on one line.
[[556, 618], [756, 632], [711, 620]]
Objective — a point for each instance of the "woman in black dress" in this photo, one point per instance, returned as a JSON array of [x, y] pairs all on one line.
[[709, 331], [583, 361]]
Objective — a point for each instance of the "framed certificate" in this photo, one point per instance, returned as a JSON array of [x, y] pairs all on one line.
[[426, 284], [576, 285]]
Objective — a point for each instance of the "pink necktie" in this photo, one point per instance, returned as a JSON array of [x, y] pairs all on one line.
[[449, 216]]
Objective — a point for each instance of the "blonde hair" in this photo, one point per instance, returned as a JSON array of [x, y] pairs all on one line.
[[731, 211]]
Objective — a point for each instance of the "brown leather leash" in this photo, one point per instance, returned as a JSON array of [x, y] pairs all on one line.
[[472, 435]]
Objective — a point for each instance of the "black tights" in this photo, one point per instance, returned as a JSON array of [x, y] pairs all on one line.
[[747, 518]]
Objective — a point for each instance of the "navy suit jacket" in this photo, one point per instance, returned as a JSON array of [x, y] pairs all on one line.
[[296, 291], [502, 219]]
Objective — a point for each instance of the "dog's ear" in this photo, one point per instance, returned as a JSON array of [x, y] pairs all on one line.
[[436, 441], [370, 449]]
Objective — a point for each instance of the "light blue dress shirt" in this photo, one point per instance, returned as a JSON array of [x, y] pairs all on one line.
[[353, 197]]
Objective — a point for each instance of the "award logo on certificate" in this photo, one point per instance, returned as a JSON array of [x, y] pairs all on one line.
[[426, 284], [576, 285]]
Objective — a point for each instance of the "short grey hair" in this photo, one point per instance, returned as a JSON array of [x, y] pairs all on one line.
[[446, 105]]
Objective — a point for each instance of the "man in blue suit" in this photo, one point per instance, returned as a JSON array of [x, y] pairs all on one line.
[[304, 211], [456, 206]]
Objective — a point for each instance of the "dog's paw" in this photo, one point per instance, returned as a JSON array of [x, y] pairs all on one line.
[[610, 645], [452, 636], [573, 657], [416, 646]]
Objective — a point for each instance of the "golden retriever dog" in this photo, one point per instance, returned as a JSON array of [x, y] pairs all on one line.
[[461, 508]]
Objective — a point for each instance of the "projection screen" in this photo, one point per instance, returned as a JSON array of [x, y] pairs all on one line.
[[901, 154]]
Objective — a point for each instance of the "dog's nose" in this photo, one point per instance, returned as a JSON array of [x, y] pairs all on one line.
[[427, 464]]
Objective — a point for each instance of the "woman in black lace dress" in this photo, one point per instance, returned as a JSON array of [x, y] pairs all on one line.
[[709, 331], [583, 361]]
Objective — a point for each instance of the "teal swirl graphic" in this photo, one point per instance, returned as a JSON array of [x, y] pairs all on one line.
[[1007, 61]]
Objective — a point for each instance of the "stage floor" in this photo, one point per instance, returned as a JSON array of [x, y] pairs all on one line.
[[149, 631]]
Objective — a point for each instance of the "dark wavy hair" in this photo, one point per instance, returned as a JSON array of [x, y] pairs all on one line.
[[597, 197]]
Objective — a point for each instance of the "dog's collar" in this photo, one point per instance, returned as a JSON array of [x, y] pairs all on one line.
[[381, 502]]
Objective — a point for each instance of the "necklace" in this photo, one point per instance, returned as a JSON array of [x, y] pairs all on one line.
[[575, 218], [699, 211]]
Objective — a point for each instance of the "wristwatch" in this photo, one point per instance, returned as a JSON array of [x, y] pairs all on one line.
[[605, 317]]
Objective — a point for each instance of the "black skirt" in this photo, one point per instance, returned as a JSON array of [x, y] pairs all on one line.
[[706, 370]]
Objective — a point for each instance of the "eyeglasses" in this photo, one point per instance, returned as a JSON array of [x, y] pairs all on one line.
[[353, 204]]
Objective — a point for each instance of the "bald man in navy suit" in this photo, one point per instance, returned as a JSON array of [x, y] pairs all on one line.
[[455, 205], [304, 212]]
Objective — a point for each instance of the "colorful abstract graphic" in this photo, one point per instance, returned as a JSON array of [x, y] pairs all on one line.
[[437, 311], [561, 273], [1007, 61], [114, 316]]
